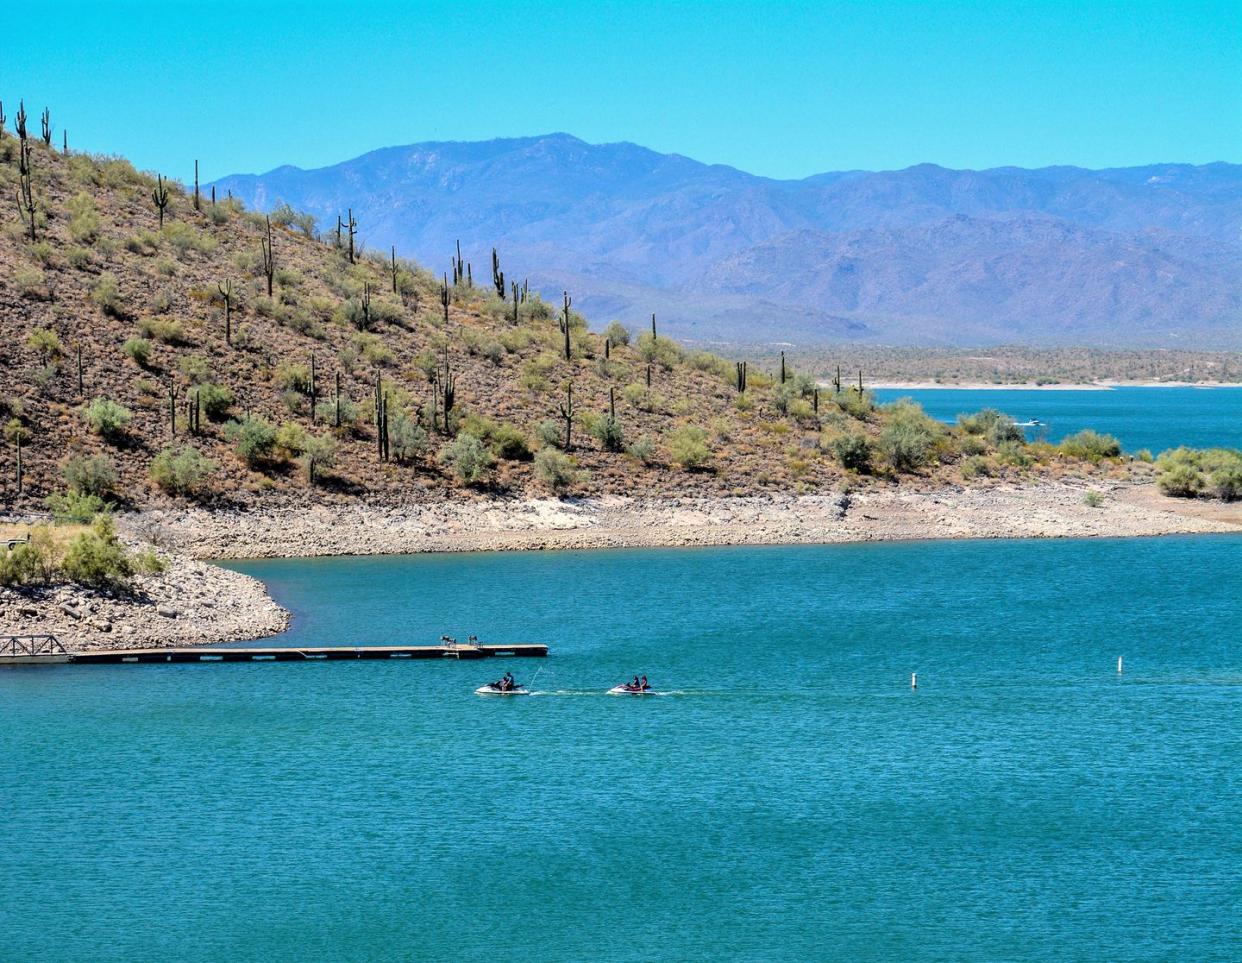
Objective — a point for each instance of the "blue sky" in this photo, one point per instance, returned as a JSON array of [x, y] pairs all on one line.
[[782, 89]]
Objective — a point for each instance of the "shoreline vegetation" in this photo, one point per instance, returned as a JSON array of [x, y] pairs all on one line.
[[1011, 366]]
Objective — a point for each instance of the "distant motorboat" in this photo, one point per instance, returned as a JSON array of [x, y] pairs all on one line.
[[1033, 423]]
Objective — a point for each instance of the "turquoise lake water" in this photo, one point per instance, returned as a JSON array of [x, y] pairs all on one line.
[[790, 799], [1151, 418]]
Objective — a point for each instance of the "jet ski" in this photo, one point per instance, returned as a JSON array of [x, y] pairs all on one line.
[[630, 689], [494, 688]]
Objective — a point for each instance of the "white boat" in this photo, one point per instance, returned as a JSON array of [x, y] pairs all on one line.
[[493, 689], [627, 689], [1033, 423]]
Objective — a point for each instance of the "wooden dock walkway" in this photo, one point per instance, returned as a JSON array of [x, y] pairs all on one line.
[[200, 654]]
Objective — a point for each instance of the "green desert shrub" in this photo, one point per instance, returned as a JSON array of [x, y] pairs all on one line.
[[293, 376], [319, 452], [607, 431], [909, 435], [550, 433], [107, 296], [138, 350], [166, 330], [853, 451], [97, 557], [991, 424], [74, 506], [687, 447], [107, 418], [90, 474], [1091, 446], [215, 400], [1093, 499], [555, 469], [83, 219], [976, 466], [617, 334], [46, 343], [1013, 453], [407, 439], [470, 459], [662, 351], [253, 438], [642, 448], [35, 562], [195, 368], [1191, 472], [182, 471]]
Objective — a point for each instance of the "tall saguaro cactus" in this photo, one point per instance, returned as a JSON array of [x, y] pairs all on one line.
[[197, 200], [47, 126], [25, 201], [565, 325], [352, 226], [741, 377], [498, 276], [226, 292], [269, 257], [567, 412], [159, 194]]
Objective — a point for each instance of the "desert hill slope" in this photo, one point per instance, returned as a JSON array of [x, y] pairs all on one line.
[[160, 346]]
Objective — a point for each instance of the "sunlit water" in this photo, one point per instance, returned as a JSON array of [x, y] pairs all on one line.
[[793, 799], [1151, 418]]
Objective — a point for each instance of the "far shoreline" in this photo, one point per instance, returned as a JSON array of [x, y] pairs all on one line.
[[1034, 386]]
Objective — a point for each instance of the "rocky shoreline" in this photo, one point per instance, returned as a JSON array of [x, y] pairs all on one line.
[[1045, 510], [191, 603], [195, 602]]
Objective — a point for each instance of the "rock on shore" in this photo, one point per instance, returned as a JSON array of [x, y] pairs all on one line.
[[191, 603]]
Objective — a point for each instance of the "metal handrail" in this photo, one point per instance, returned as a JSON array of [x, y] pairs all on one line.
[[28, 645]]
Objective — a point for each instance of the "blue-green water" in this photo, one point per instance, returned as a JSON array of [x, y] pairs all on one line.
[[1151, 418], [792, 800]]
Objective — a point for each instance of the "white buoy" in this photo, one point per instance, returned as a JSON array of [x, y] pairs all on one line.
[[1119, 665], [914, 680]]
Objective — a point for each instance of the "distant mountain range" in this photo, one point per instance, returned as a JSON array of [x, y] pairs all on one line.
[[1147, 256]]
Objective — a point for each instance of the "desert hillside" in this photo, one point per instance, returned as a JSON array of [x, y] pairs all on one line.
[[164, 344]]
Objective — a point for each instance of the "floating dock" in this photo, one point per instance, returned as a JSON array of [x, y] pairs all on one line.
[[200, 654]]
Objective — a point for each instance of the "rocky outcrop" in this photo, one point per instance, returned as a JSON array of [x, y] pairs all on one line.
[[191, 603]]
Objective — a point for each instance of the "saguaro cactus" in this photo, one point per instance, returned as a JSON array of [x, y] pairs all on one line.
[[565, 325], [352, 226], [393, 263], [498, 276], [269, 257], [159, 194], [47, 126], [782, 367], [19, 121], [314, 394], [25, 201], [226, 292], [444, 300], [567, 412], [365, 321], [197, 201], [741, 376]]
